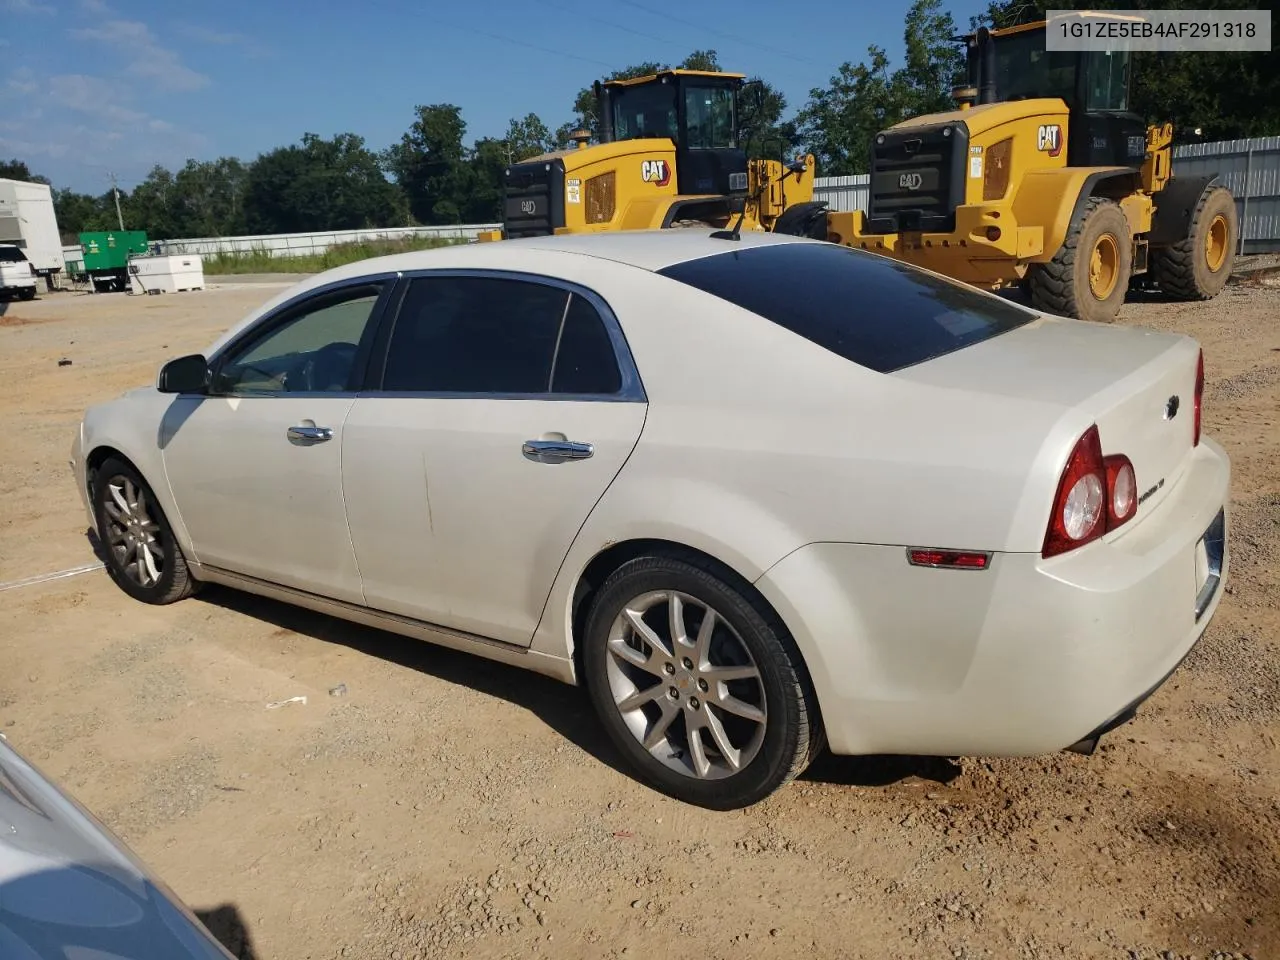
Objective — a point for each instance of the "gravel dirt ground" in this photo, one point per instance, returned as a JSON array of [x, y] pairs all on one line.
[[446, 806]]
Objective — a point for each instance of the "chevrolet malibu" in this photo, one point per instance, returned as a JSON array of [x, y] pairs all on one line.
[[758, 495]]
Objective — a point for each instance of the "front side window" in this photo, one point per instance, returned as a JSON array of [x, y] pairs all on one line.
[[313, 351], [492, 335], [709, 117], [645, 111]]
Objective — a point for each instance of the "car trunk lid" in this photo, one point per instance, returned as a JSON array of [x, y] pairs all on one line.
[[1137, 385]]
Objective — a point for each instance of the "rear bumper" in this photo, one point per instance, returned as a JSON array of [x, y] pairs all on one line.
[[1027, 657]]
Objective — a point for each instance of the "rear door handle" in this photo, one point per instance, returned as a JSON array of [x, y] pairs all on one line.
[[556, 451], [309, 433]]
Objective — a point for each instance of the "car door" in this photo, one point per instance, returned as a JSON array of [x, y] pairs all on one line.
[[505, 406], [255, 465]]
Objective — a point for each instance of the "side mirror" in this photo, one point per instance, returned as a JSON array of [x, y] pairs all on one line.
[[189, 374]]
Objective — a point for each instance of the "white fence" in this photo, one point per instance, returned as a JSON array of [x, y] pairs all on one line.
[[843, 193], [1250, 169], [304, 244]]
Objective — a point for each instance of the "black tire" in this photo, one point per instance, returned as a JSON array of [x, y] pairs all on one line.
[[174, 581], [803, 220], [28, 293], [1062, 285], [792, 734], [1184, 270]]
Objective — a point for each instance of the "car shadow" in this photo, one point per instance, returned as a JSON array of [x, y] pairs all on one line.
[[563, 708], [879, 770], [228, 928]]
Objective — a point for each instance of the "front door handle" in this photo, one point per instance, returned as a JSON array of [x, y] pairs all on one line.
[[556, 451], [309, 433]]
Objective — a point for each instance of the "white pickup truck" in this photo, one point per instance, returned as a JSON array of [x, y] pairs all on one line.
[[17, 276]]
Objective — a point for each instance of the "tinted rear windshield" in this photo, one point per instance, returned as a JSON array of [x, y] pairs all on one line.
[[877, 312], [12, 255]]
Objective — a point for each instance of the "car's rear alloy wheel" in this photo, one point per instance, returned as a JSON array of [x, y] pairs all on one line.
[[696, 684], [141, 554]]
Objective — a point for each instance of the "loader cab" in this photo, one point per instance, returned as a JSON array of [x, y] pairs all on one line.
[[697, 110], [1012, 64]]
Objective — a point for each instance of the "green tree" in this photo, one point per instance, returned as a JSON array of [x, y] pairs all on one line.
[[320, 184], [482, 201], [841, 120], [18, 170], [430, 164], [527, 137]]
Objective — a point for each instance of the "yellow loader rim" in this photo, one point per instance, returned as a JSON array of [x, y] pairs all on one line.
[[1215, 243], [1104, 266]]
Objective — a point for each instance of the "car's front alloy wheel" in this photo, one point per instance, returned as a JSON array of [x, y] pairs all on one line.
[[142, 555], [701, 688]]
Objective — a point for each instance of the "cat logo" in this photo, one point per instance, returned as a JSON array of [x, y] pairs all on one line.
[[657, 172], [910, 181], [1049, 139]]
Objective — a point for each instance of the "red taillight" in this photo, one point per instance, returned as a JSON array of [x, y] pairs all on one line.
[[1122, 490], [1195, 442], [1079, 509]]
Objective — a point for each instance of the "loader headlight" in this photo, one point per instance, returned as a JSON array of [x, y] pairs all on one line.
[[995, 175]]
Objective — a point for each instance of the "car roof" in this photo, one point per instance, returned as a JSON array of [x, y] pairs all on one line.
[[653, 249], [646, 249]]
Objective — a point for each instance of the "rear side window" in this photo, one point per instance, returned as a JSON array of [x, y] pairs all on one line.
[[864, 307], [488, 335], [585, 362]]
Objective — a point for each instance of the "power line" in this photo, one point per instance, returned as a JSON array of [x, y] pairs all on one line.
[[728, 36], [617, 26], [465, 28]]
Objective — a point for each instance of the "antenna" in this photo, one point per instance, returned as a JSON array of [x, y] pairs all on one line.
[[797, 167], [736, 232]]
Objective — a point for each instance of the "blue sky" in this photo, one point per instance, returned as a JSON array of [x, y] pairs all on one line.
[[92, 86]]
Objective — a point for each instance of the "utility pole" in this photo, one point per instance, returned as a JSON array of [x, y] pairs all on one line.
[[116, 192]]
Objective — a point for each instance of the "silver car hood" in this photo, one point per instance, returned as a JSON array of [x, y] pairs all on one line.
[[69, 889]]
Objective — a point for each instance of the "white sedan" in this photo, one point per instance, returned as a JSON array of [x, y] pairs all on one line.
[[757, 495]]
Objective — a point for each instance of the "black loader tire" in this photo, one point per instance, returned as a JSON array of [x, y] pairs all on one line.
[[1185, 270], [803, 220], [1062, 285]]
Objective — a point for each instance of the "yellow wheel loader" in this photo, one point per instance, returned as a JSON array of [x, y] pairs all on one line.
[[669, 155], [1043, 177]]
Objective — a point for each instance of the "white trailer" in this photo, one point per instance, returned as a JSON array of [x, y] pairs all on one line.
[[28, 222]]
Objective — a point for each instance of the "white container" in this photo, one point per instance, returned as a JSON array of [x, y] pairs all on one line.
[[27, 221], [170, 274]]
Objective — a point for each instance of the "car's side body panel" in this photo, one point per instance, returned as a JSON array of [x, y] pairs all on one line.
[[133, 425], [255, 501], [452, 523]]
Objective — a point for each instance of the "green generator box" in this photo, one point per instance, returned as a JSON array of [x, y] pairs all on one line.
[[110, 250]]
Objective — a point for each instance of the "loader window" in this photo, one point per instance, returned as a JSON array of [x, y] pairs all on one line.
[[709, 116], [648, 111], [1026, 70], [1108, 73]]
